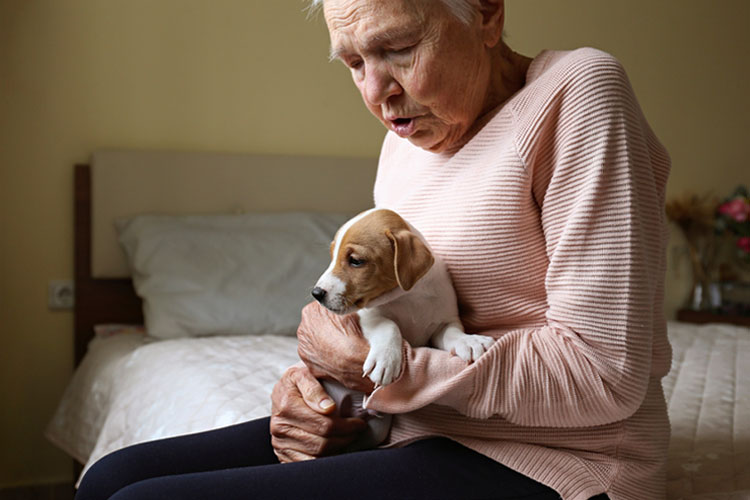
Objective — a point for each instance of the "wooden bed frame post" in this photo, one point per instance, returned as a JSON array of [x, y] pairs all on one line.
[[97, 300]]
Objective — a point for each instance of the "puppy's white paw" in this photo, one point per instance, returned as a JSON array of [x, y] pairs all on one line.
[[465, 346], [383, 363], [470, 347]]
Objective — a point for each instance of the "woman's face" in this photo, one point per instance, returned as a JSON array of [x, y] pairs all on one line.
[[422, 72]]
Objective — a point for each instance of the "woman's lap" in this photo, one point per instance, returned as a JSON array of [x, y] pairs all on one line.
[[238, 462]]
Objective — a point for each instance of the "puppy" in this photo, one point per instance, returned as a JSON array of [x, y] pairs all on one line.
[[383, 270]]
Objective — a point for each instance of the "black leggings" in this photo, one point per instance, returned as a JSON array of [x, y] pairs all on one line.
[[238, 462]]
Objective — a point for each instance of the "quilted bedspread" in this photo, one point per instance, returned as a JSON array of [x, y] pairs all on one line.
[[708, 396], [128, 390]]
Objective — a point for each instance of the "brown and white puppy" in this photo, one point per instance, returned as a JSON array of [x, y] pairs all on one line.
[[383, 269]]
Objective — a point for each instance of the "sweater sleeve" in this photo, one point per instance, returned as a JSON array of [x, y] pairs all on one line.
[[586, 151]]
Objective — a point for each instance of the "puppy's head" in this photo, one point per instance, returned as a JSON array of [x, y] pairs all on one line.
[[372, 254]]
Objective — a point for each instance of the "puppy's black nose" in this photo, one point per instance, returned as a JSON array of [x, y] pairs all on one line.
[[319, 293]]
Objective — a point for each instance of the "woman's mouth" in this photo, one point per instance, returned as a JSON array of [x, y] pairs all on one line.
[[404, 127]]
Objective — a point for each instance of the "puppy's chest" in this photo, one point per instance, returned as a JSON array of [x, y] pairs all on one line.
[[417, 320]]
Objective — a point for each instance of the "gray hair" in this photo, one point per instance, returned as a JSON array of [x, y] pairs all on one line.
[[464, 10]]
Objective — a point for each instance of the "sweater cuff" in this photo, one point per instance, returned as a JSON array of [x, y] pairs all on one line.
[[428, 376]]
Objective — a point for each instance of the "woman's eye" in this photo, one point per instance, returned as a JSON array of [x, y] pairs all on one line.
[[356, 262], [403, 50], [355, 64]]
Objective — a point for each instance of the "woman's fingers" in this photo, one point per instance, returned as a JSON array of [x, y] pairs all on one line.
[[315, 424], [313, 415], [312, 392], [302, 426], [286, 455], [296, 441]]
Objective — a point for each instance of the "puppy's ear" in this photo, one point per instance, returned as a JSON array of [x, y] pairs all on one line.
[[330, 250], [411, 257]]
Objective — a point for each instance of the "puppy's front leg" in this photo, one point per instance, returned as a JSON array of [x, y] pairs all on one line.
[[453, 339], [383, 363]]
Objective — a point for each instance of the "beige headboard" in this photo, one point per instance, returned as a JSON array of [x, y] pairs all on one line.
[[125, 183]]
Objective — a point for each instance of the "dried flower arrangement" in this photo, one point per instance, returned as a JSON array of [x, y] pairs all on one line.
[[695, 215], [708, 225]]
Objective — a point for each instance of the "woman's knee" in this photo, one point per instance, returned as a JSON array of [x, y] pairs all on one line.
[[110, 474], [142, 490]]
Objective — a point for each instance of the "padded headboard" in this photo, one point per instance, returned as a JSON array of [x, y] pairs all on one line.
[[125, 183]]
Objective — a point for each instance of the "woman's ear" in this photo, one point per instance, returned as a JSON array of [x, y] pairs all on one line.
[[411, 258], [492, 17]]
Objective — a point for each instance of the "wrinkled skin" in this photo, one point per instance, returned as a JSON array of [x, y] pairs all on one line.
[[303, 425], [328, 352], [435, 81], [414, 61], [302, 428]]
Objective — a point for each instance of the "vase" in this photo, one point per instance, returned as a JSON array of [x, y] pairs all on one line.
[[705, 296], [706, 292]]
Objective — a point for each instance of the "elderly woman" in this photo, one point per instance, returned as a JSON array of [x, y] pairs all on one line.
[[541, 185]]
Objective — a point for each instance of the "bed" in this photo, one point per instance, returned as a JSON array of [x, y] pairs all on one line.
[[160, 353]]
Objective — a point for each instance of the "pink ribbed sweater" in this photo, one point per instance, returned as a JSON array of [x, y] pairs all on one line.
[[551, 221]]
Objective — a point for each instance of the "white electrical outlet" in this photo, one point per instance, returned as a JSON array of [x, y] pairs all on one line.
[[60, 294]]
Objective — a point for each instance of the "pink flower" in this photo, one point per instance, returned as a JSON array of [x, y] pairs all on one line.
[[743, 244], [738, 209]]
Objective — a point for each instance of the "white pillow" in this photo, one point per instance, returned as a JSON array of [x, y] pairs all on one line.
[[247, 274]]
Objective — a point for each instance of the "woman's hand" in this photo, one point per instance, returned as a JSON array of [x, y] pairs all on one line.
[[303, 425], [333, 347]]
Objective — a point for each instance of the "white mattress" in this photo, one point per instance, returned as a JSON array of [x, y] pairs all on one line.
[[128, 390]]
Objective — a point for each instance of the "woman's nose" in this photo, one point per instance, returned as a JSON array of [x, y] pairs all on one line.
[[380, 85]]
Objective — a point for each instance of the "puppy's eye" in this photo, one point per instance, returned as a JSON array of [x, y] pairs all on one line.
[[356, 262]]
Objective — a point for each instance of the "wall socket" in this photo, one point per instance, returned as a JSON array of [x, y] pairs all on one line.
[[61, 294]]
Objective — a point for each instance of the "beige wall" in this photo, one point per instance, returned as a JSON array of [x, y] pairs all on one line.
[[252, 76], [688, 63]]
